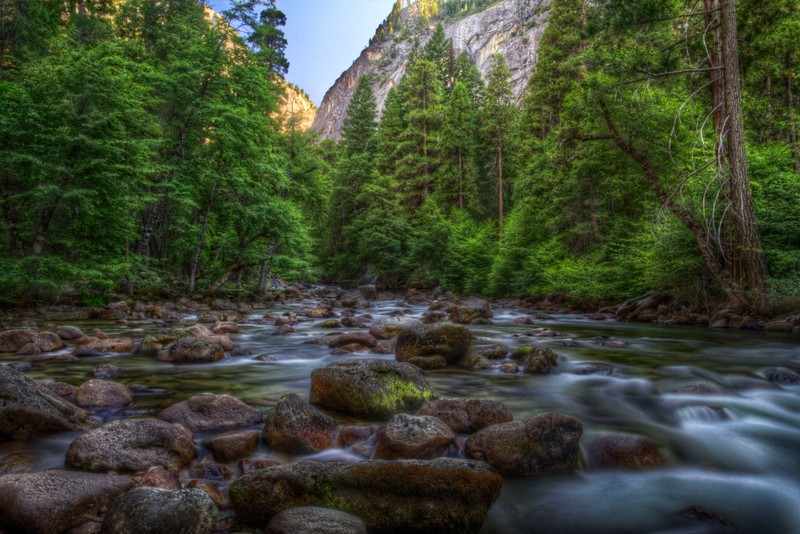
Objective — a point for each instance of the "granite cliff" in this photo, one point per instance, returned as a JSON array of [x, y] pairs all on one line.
[[513, 28]]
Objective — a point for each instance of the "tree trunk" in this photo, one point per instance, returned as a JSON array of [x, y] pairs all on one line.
[[715, 76], [198, 249], [593, 208], [262, 279], [460, 178], [500, 187], [751, 269]]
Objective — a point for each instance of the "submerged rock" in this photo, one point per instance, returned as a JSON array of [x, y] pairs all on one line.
[[207, 411], [370, 388], [445, 495], [315, 520], [448, 341], [159, 511], [296, 427], [131, 445], [55, 501], [627, 452], [548, 443], [539, 360], [421, 437], [467, 416], [28, 409]]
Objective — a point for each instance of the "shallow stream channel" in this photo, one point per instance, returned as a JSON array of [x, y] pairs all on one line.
[[723, 407]]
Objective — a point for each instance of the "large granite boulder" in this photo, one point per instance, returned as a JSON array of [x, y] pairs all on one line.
[[207, 411], [447, 341], [160, 511], [132, 445], [43, 342], [445, 495], [548, 443], [296, 427], [374, 389], [467, 416], [393, 326], [315, 520], [28, 409], [52, 502], [421, 437]]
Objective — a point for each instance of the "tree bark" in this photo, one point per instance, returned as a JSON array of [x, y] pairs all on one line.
[[200, 239], [751, 269], [500, 187], [460, 178]]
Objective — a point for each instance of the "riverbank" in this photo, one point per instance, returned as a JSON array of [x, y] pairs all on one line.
[[230, 402]]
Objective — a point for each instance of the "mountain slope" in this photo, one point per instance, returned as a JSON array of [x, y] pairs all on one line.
[[510, 27]]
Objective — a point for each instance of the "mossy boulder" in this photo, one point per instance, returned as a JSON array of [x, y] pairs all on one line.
[[539, 360], [191, 350], [296, 427], [374, 389], [470, 311], [451, 342], [548, 443], [445, 495]]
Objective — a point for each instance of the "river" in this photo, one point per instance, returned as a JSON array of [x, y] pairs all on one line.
[[731, 437]]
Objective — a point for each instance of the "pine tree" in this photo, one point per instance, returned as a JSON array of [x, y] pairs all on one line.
[[458, 144], [359, 125], [469, 75], [437, 51], [498, 118]]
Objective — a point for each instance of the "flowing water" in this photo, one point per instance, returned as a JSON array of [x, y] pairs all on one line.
[[731, 437]]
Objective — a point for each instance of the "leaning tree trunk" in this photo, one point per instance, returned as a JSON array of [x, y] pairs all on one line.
[[750, 268]]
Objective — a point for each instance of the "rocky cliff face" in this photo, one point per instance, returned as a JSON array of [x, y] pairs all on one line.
[[296, 110], [511, 27]]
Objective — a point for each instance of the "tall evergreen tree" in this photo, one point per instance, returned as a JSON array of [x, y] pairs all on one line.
[[498, 119], [458, 144]]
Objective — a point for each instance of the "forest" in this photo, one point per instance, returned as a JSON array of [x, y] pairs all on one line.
[[656, 148]]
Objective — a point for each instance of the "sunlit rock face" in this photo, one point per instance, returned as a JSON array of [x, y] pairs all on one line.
[[513, 28], [295, 110]]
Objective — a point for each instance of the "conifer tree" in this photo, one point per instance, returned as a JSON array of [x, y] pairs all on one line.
[[458, 144], [498, 118]]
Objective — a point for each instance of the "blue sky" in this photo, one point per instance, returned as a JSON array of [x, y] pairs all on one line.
[[325, 37]]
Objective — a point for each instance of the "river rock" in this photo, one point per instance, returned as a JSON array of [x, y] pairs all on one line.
[[28, 409], [106, 370], [448, 341], [106, 344], [495, 352], [315, 520], [470, 311], [225, 327], [295, 427], [330, 323], [782, 376], [392, 327], [627, 452], [103, 394], [213, 492], [202, 332], [359, 338], [548, 443], [13, 340], [539, 360], [422, 437], [210, 470], [248, 465], [43, 342], [207, 411], [158, 477], [70, 333], [283, 330], [467, 416], [233, 446], [17, 462], [351, 434], [370, 388], [191, 350], [445, 495], [159, 511], [55, 501], [131, 445]]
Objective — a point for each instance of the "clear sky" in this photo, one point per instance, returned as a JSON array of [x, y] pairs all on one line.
[[325, 37]]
